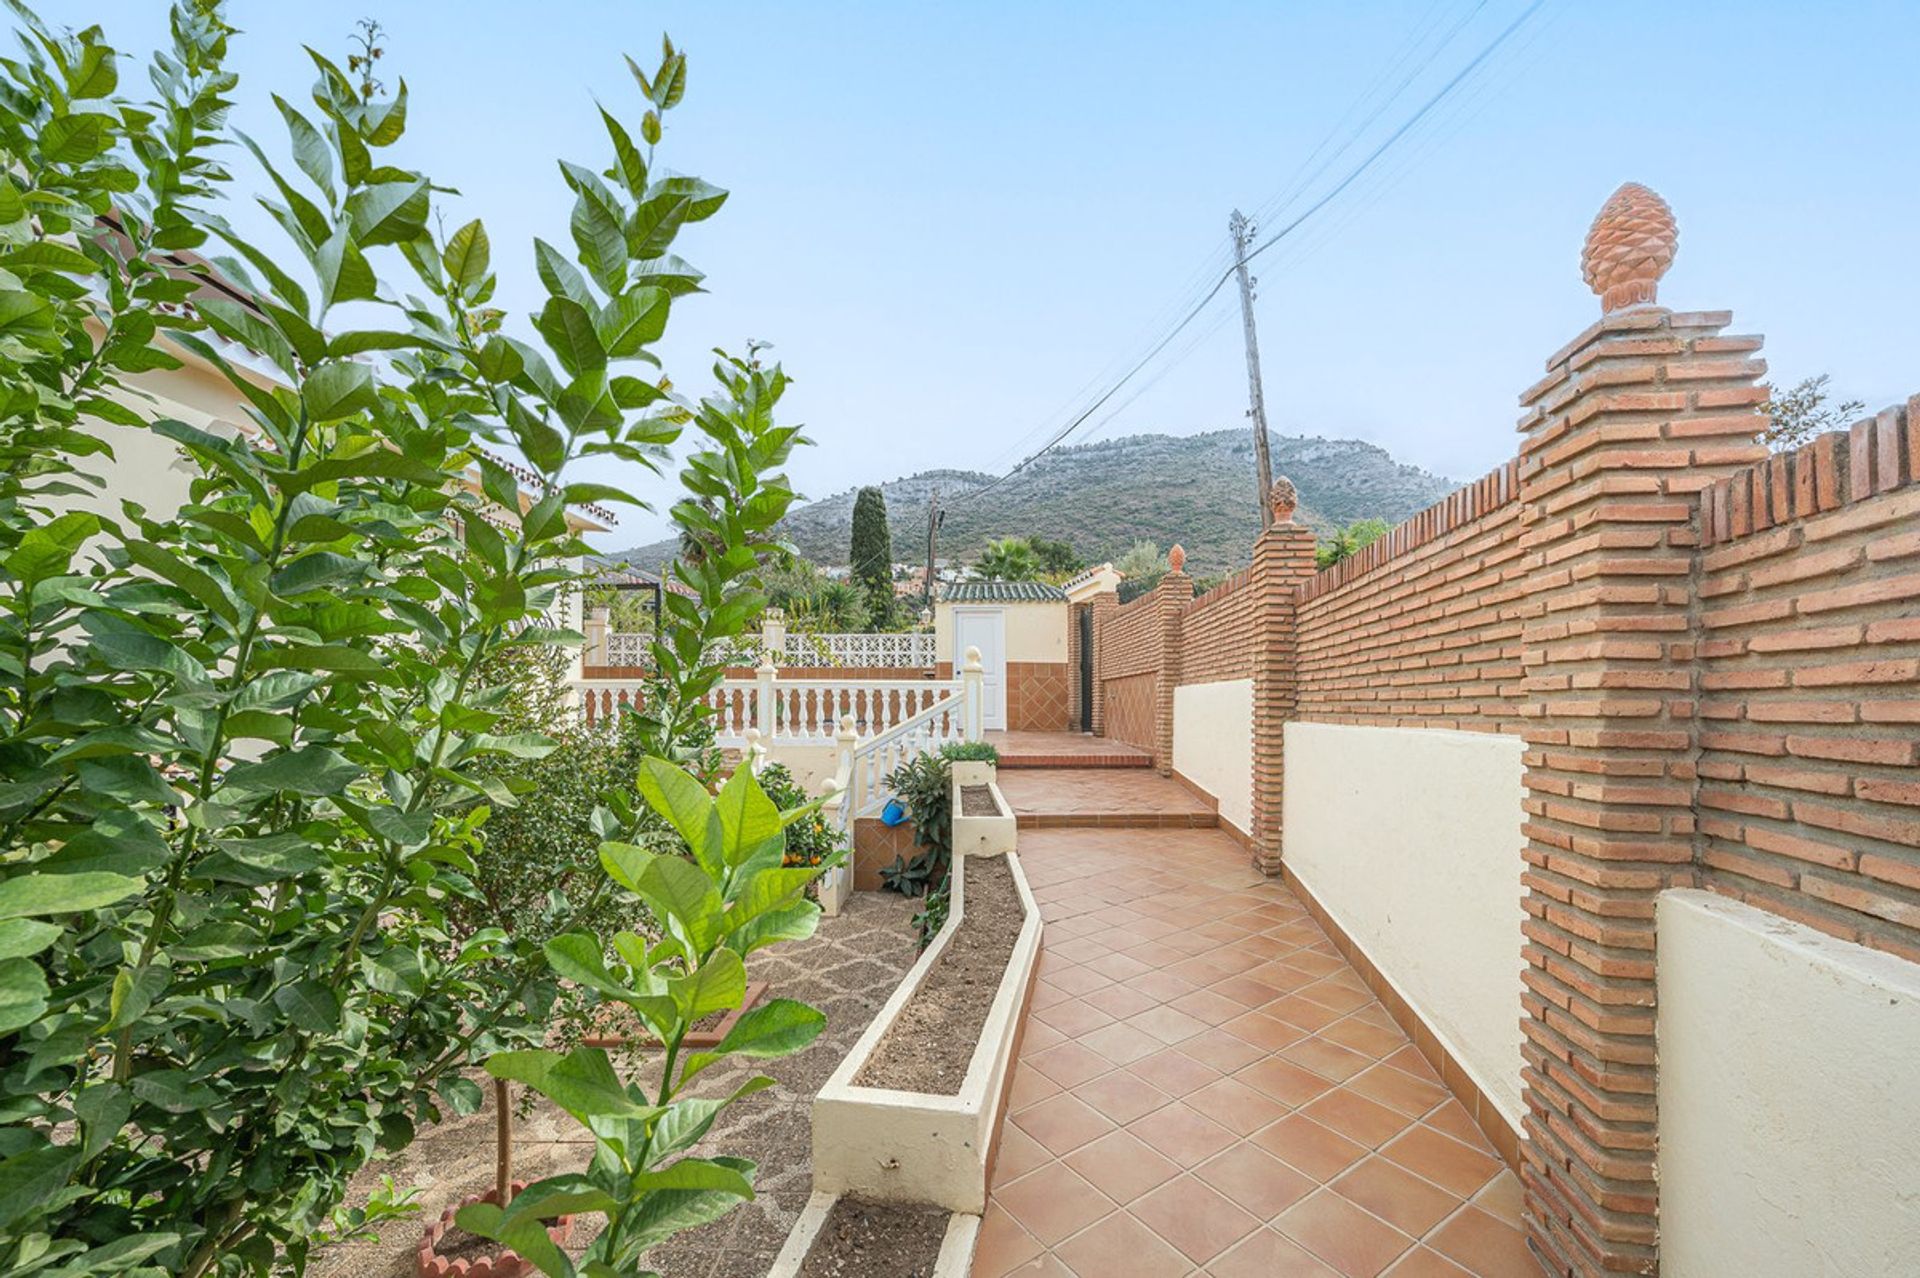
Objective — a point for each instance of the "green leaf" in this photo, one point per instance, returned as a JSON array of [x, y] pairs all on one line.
[[46, 550], [27, 1180], [696, 1173], [343, 271], [631, 320], [776, 1028], [268, 859], [388, 212], [576, 957], [703, 198], [338, 389], [569, 331], [630, 167], [685, 1121], [526, 1236], [241, 324], [310, 1004], [40, 895], [310, 149], [582, 1082], [313, 770], [719, 985], [561, 277], [23, 938], [379, 463], [749, 821], [75, 139], [134, 990], [317, 570], [673, 793], [467, 257], [23, 993], [172, 1090]]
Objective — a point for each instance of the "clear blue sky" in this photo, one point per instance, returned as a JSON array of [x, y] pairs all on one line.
[[950, 220]]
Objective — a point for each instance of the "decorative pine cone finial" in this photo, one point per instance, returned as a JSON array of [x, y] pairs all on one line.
[[1629, 247], [1177, 559], [1282, 499]]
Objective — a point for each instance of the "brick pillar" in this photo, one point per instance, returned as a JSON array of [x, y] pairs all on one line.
[[1282, 560], [1104, 605], [1634, 418], [1171, 596]]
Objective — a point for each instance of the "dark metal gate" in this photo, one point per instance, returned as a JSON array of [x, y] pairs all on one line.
[[1086, 669]]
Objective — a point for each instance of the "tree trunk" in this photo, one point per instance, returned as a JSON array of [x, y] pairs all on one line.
[[503, 1144]]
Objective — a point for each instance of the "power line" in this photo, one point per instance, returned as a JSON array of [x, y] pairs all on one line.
[[1351, 177]]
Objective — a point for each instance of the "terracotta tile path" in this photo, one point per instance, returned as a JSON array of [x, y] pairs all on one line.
[[1103, 796], [1024, 749], [1206, 1089]]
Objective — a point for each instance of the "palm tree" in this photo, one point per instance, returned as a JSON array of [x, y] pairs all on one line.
[[1349, 541], [1011, 559]]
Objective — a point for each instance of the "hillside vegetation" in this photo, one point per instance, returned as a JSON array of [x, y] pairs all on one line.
[[1102, 497]]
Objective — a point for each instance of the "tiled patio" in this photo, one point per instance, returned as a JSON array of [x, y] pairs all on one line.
[[1207, 1089]]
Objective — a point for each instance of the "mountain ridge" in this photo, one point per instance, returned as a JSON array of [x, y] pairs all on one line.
[[1101, 497]]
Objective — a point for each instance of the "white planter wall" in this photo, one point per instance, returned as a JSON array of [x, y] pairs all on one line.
[[1213, 744], [1410, 837], [1789, 1111]]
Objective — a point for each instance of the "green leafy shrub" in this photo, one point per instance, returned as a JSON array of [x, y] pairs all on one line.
[[922, 784], [729, 895], [811, 839], [970, 752], [248, 749]]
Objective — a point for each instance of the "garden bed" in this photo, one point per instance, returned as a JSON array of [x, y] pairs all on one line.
[[983, 820], [910, 1115], [930, 1045], [847, 1237]]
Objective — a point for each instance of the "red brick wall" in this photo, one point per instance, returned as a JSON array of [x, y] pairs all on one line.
[[1713, 657], [1809, 651], [1130, 709], [1131, 657], [1218, 632], [1422, 628]]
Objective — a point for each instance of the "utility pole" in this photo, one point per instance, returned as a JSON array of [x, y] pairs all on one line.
[[933, 529], [1242, 232]]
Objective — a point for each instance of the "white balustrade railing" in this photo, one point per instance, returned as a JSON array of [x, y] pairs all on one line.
[[800, 711]]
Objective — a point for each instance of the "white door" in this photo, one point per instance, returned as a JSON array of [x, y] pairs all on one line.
[[985, 629]]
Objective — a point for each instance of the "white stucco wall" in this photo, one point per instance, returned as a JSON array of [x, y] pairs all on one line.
[[1410, 837], [1789, 1114], [1213, 744]]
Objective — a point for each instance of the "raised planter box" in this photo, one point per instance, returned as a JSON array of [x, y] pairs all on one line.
[[956, 1250], [980, 835], [898, 1146]]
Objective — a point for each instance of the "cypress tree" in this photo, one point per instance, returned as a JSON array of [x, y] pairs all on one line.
[[871, 554]]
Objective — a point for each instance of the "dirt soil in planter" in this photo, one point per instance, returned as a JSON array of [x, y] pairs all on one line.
[[848, 969], [876, 1240], [931, 1042], [977, 800]]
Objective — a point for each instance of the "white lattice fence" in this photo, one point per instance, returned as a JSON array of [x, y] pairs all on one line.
[[886, 651]]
